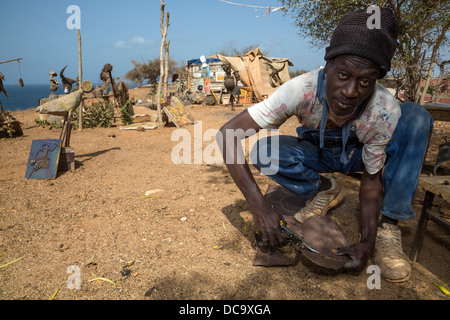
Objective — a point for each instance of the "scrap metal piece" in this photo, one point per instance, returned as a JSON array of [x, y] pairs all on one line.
[[296, 240], [321, 233], [61, 106], [324, 234], [66, 104], [2, 89], [67, 82], [286, 202], [43, 159]]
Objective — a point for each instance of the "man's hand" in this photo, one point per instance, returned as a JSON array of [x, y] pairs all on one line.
[[267, 225], [370, 198], [266, 218], [359, 253]]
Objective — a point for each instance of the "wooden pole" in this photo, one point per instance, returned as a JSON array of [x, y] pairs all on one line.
[[166, 66], [80, 82], [161, 59], [6, 61], [161, 65]]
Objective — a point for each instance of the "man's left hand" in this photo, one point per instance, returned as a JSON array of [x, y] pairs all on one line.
[[359, 253]]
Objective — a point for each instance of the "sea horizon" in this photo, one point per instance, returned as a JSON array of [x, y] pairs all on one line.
[[27, 97]]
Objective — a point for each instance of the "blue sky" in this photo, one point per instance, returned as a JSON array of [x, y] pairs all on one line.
[[117, 31]]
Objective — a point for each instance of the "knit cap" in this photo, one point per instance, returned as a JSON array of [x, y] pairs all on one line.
[[354, 35]]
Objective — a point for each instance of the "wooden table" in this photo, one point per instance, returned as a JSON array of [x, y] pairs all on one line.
[[438, 111], [435, 185]]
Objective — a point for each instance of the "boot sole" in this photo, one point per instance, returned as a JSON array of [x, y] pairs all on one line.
[[397, 280]]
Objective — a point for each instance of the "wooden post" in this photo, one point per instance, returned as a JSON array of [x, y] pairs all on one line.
[[166, 69], [6, 61], [80, 82], [161, 59], [188, 77]]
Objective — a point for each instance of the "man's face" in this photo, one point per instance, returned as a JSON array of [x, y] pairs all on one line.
[[350, 80]]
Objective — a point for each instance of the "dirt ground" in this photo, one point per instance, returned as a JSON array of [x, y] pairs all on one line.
[[191, 237]]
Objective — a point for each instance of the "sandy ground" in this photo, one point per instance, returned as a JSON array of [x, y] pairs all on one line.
[[192, 238]]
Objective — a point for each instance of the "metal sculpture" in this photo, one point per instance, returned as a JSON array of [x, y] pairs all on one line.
[[54, 84], [67, 82], [43, 165], [65, 106], [2, 89], [231, 84]]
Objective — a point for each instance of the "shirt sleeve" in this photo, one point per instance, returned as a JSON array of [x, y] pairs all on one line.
[[286, 101], [376, 127]]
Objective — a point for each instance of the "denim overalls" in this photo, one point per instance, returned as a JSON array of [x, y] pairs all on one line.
[[300, 159]]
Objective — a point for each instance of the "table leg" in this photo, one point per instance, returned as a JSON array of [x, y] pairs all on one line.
[[422, 225]]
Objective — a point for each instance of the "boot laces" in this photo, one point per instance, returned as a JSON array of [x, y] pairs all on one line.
[[391, 241]]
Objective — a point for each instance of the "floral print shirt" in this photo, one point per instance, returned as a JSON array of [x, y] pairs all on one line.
[[297, 97]]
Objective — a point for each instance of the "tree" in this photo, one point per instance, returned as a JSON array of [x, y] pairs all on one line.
[[422, 40], [180, 69], [296, 72], [230, 49], [139, 73], [148, 71]]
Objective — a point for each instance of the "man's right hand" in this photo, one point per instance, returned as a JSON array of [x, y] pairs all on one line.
[[267, 225], [265, 217]]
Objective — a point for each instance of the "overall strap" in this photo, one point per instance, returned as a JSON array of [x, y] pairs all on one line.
[[320, 94]]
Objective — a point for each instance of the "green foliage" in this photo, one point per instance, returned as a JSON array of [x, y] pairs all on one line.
[[124, 111], [50, 124], [149, 71], [9, 129], [316, 20], [423, 32], [8, 126], [100, 114]]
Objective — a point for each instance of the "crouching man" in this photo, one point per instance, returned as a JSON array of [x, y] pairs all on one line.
[[348, 123]]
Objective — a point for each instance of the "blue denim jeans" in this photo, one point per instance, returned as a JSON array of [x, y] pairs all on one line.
[[299, 160]]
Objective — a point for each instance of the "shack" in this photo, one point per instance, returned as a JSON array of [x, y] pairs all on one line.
[[259, 75], [196, 79]]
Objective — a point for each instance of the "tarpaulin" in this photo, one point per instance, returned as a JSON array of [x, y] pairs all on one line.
[[262, 73], [197, 61]]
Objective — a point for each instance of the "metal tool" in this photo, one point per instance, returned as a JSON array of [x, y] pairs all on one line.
[[296, 240], [291, 238]]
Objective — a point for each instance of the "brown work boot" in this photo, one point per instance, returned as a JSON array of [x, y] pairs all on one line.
[[388, 254], [322, 202]]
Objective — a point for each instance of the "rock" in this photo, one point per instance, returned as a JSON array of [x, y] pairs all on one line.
[[150, 192]]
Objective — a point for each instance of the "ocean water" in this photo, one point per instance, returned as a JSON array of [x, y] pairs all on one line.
[[26, 97]]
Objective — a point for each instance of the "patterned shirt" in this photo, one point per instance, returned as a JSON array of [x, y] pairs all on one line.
[[374, 128]]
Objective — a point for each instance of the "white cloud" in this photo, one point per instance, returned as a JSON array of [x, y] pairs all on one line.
[[121, 44], [140, 40], [137, 40]]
